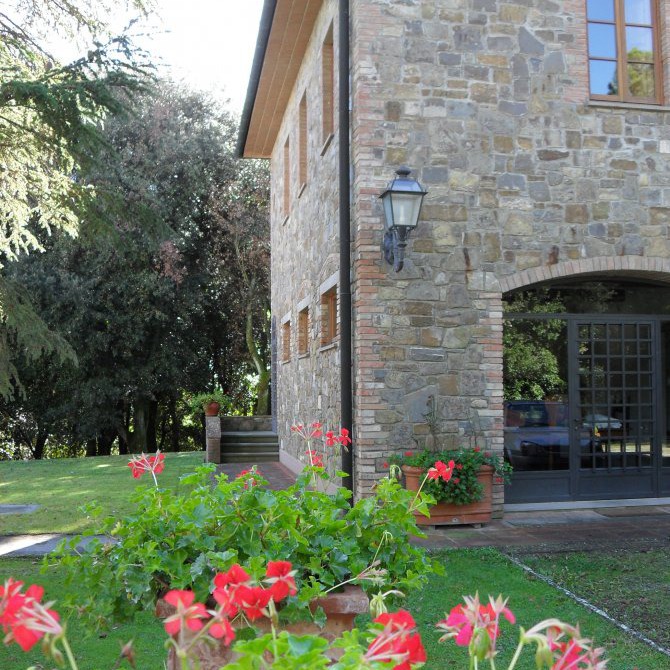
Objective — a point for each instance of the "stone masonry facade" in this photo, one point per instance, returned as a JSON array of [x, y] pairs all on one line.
[[488, 102], [305, 252]]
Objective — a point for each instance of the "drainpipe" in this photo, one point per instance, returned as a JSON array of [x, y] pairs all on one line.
[[346, 387]]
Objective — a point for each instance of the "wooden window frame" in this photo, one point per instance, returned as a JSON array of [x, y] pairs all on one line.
[[286, 202], [621, 59], [286, 341], [327, 87], [329, 330], [302, 143], [303, 332]]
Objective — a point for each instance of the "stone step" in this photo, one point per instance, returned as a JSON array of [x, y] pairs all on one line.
[[258, 446], [249, 436]]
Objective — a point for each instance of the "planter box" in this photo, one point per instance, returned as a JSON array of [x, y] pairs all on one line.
[[449, 514], [340, 608]]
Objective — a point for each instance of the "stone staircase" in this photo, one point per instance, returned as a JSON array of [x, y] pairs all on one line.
[[256, 446], [241, 439]]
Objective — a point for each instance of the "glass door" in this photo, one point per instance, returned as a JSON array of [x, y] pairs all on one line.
[[613, 396]]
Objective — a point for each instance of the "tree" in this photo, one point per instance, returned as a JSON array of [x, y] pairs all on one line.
[[156, 310], [50, 131], [242, 265]]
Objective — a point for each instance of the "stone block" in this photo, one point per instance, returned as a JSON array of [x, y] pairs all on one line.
[[426, 354], [659, 216], [576, 214], [529, 44]]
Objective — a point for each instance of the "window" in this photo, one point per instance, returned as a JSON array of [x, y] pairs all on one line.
[[624, 60], [303, 332], [287, 178], [327, 86], [302, 131], [329, 316], [286, 341]]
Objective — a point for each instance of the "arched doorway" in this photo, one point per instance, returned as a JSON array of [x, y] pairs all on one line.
[[586, 389]]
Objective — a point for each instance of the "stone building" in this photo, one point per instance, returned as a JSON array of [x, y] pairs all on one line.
[[532, 314]]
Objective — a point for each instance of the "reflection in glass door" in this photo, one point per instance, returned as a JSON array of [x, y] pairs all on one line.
[[616, 393]]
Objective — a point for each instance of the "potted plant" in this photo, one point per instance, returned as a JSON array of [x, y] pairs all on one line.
[[392, 640], [462, 497], [181, 539], [209, 401]]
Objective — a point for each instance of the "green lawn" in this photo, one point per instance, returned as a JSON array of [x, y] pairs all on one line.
[[93, 651], [633, 586], [61, 486], [531, 600], [468, 571]]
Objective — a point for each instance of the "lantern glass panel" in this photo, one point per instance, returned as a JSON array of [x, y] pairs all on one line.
[[406, 208]]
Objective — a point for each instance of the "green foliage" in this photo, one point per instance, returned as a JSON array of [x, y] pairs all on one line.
[[197, 401], [156, 311], [179, 540], [532, 348], [463, 488], [50, 131]]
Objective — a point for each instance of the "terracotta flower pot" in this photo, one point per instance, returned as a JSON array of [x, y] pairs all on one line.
[[443, 513], [212, 408], [340, 608]]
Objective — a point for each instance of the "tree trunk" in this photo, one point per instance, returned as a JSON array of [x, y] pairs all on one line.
[[175, 426], [152, 416], [40, 443], [91, 447], [263, 388], [138, 438]]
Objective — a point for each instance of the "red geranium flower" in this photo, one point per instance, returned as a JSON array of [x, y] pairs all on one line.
[[440, 470], [225, 586], [396, 643], [221, 628], [142, 463], [253, 600], [281, 579], [23, 617], [344, 437], [250, 476], [188, 615], [314, 458]]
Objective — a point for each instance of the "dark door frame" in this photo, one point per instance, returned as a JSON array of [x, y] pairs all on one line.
[[571, 477]]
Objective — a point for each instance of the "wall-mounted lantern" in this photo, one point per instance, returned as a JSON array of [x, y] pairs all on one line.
[[402, 206]]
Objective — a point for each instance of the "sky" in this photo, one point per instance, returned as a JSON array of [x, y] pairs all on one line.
[[209, 43]]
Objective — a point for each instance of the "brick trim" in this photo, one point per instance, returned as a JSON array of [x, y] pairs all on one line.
[[624, 264]]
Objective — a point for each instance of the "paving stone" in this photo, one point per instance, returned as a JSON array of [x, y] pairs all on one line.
[[18, 509]]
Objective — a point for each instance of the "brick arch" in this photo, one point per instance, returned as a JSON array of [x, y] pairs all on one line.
[[657, 269]]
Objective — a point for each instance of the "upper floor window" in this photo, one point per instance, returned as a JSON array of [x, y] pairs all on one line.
[[329, 316], [624, 58], [286, 199], [302, 135], [286, 341], [327, 87]]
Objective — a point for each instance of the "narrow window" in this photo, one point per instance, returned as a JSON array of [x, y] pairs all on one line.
[[287, 178], [302, 128], [327, 86], [303, 331], [624, 59], [329, 316], [286, 341]]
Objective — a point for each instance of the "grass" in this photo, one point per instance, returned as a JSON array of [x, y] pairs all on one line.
[[482, 570], [62, 486], [531, 600], [633, 586], [95, 651]]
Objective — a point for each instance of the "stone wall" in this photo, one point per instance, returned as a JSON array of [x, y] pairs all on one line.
[[305, 254], [488, 101]]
